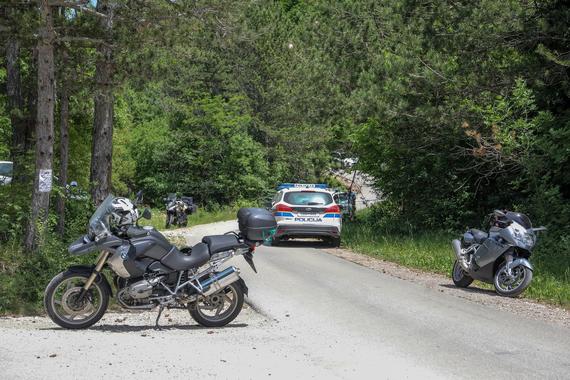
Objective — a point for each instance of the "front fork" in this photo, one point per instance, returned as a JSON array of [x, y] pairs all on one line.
[[509, 259], [101, 260]]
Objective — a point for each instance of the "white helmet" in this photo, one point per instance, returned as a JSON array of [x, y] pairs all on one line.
[[124, 212]]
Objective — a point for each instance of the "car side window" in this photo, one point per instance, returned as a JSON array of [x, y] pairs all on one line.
[[277, 197]]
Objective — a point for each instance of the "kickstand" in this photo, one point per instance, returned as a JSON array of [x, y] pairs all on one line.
[[156, 326]]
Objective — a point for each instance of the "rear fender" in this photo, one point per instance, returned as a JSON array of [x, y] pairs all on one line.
[[241, 283]]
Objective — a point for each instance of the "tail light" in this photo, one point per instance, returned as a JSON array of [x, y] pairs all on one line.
[[333, 208], [282, 207]]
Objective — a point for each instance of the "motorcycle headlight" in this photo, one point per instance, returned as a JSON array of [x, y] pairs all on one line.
[[524, 238]]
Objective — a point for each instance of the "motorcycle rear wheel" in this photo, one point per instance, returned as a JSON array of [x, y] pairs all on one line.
[[225, 306], [64, 307], [460, 278], [512, 286]]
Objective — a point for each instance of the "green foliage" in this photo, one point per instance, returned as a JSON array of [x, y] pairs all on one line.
[[23, 276]]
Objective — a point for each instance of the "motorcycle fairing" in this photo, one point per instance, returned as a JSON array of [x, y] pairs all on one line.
[[85, 245], [489, 251], [485, 273]]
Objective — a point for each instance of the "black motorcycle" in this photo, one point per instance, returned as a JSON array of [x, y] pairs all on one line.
[[150, 272]]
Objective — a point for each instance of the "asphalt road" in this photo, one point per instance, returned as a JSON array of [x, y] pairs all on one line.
[[313, 315], [363, 322]]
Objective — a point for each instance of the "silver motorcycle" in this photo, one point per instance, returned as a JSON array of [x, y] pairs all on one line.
[[500, 257]]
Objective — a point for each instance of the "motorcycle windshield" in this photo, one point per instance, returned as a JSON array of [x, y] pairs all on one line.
[[521, 219], [99, 222]]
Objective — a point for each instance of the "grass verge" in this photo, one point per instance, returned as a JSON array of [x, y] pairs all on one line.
[[432, 252]]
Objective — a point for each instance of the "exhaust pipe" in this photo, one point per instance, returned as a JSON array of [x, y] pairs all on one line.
[[456, 245], [220, 280]]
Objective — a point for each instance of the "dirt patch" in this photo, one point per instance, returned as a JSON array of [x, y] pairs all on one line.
[[520, 306]]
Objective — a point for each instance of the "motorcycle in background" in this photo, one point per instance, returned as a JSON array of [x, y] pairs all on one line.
[[178, 209], [500, 257]]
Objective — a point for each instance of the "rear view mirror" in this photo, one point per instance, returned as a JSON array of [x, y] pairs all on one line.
[[146, 214]]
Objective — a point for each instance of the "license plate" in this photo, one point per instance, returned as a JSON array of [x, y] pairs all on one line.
[[308, 214]]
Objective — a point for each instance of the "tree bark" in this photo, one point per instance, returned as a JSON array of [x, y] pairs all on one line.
[[63, 147], [44, 128], [14, 93], [102, 148], [16, 106]]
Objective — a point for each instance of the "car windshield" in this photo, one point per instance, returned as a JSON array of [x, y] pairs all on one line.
[[307, 198], [99, 222], [6, 169]]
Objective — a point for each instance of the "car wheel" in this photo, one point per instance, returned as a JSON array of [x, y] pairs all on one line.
[[335, 242]]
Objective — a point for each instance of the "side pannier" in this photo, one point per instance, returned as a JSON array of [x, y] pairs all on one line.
[[256, 224]]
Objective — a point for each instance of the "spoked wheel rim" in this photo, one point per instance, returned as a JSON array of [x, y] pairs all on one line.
[[66, 303], [218, 306], [511, 283]]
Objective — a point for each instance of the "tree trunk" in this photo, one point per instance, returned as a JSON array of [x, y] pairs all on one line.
[[14, 92], [15, 105], [63, 148], [44, 129], [102, 148]]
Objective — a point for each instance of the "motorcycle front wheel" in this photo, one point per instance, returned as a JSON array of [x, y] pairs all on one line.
[[512, 286], [64, 307], [220, 308], [460, 278]]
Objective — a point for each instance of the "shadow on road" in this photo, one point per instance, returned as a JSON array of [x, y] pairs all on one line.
[[302, 243], [129, 328], [488, 292]]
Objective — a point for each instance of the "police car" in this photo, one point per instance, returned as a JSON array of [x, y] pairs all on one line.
[[306, 211]]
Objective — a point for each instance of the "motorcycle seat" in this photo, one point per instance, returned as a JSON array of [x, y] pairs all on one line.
[[478, 235], [220, 243], [180, 261]]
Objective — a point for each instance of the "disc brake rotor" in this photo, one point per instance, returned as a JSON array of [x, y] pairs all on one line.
[[71, 305]]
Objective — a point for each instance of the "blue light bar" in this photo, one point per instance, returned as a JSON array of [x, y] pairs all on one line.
[[302, 186]]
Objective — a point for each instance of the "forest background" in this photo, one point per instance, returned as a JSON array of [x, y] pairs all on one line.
[[455, 108]]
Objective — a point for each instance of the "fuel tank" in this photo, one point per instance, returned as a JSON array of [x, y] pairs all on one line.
[[151, 244]]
